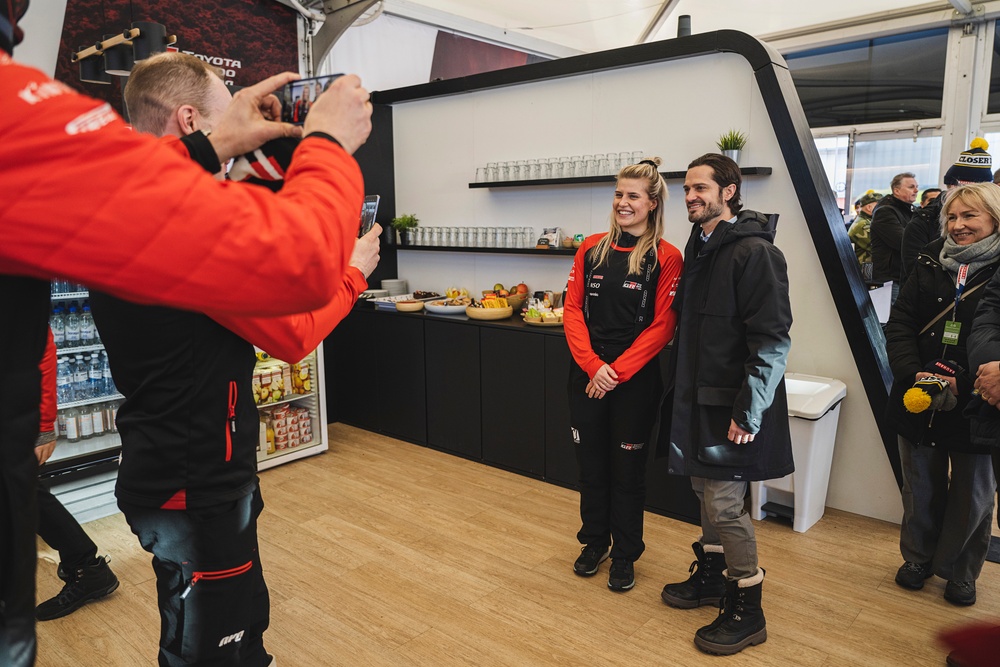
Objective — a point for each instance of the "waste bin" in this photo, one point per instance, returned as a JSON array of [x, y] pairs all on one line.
[[813, 412]]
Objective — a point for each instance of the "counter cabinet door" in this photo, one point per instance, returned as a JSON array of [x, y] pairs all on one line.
[[454, 417], [513, 399]]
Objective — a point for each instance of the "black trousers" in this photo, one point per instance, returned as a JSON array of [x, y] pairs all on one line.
[[18, 517], [214, 605], [612, 437], [63, 533]]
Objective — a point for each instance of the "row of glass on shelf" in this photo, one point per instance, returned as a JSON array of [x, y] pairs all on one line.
[[474, 237], [88, 421], [573, 166]]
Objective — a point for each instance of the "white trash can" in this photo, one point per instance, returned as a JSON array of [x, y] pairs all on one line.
[[813, 412]]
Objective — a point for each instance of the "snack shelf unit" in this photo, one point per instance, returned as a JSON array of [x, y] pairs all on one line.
[[315, 403]]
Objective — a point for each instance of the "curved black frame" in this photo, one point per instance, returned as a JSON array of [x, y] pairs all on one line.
[[840, 265]]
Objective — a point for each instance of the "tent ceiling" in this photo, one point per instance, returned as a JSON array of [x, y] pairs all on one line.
[[595, 25]]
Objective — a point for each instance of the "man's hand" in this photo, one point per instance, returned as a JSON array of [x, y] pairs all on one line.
[[594, 392], [365, 256], [44, 446], [738, 435], [253, 118], [344, 112], [988, 382]]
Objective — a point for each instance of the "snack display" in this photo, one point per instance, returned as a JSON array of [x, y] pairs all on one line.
[[274, 380], [539, 315], [285, 427], [454, 306]]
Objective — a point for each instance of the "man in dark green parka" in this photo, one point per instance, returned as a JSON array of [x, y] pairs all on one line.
[[729, 422]]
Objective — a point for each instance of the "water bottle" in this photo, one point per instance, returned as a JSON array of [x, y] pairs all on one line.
[[97, 418], [64, 382], [108, 382], [72, 327], [88, 331], [58, 326], [86, 423], [81, 379], [113, 415], [72, 425], [95, 384]]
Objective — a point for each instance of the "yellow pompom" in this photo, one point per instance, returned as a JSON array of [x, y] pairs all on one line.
[[916, 400], [979, 142], [870, 192]]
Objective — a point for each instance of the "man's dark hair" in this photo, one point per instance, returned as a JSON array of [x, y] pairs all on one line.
[[725, 172]]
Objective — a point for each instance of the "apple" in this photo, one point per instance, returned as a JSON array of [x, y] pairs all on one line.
[[521, 288], [498, 287]]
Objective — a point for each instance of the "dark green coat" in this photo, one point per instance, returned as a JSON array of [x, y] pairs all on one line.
[[729, 355]]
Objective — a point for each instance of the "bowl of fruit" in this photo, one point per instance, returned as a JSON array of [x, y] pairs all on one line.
[[516, 295]]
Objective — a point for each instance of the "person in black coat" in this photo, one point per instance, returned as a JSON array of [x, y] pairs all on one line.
[[947, 516], [890, 217], [923, 228], [728, 420]]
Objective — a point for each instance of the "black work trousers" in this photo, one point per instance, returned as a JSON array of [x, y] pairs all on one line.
[[63, 533], [612, 437], [214, 604]]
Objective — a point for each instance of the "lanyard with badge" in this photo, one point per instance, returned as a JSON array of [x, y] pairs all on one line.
[[952, 327]]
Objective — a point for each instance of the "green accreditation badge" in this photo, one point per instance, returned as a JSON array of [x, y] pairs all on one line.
[[951, 331]]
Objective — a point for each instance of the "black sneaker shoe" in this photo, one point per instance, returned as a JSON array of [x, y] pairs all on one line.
[[622, 575], [911, 575], [962, 593], [590, 560], [82, 585]]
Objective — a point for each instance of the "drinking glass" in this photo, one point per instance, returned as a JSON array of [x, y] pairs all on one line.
[[503, 172], [545, 169], [602, 164], [589, 166], [480, 237], [636, 157], [527, 237], [491, 172], [576, 166], [533, 170], [481, 175], [624, 160], [519, 173]]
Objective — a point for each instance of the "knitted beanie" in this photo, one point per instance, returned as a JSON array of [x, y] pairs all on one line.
[[973, 166], [868, 198]]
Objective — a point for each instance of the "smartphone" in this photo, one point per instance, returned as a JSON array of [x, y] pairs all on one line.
[[368, 211], [297, 97]]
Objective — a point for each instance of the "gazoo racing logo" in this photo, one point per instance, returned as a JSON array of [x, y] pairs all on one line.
[[631, 284]]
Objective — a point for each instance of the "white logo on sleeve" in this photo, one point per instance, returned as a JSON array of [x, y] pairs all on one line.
[[91, 121], [231, 638]]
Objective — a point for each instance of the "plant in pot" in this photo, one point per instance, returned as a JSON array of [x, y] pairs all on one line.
[[731, 143], [405, 224]]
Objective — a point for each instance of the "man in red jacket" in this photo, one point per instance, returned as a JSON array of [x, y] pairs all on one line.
[[84, 197], [187, 483]]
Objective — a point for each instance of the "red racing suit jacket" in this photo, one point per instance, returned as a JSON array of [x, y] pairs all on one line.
[[650, 341], [84, 197]]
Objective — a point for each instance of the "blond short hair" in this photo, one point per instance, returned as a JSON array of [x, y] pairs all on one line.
[[160, 84], [984, 196]]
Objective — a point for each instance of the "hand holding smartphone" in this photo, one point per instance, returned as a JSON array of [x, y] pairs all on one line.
[[368, 211], [298, 96]]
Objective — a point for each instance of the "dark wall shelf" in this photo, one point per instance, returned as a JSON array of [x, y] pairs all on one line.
[[609, 178], [556, 252]]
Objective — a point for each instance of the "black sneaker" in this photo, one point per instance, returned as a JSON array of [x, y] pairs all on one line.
[[962, 593], [590, 560], [622, 575], [911, 575], [82, 585]]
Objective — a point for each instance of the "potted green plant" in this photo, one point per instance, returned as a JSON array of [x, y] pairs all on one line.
[[404, 224], [731, 143]]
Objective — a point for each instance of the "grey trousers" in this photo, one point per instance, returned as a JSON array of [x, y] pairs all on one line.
[[946, 524], [724, 521]]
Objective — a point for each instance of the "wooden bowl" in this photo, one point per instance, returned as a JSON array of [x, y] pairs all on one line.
[[516, 301], [409, 306], [489, 313]]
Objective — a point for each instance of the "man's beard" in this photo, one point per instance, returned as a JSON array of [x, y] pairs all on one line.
[[710, 211]]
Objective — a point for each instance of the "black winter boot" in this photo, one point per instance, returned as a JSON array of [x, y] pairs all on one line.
[[83, 584], [705, 586], [740, 622]]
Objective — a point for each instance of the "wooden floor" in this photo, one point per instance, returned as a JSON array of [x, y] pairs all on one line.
[[385, 553]]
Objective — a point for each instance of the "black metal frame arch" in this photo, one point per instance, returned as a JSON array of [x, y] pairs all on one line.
[[837, 258]]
